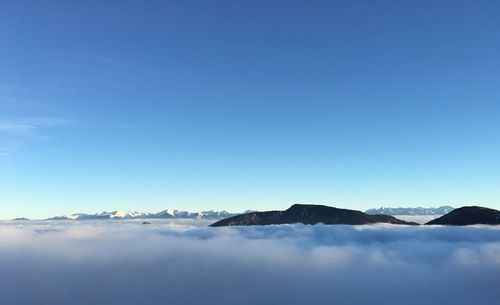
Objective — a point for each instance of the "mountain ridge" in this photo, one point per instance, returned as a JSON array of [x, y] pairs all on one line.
[[308, 214], [468, 215], [165, 214]]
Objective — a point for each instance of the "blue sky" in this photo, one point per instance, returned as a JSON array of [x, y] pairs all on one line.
[[241, 105]]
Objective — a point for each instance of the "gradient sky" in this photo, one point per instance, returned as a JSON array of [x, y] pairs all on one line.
[[236, 105]]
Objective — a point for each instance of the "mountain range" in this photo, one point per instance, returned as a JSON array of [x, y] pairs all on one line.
[[313, 214], [166, 214], [411, 211], [309, 214]]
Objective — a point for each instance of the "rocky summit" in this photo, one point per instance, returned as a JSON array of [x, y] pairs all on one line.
[[308, 214]]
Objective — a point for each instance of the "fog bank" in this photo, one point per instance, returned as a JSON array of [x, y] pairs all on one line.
[[177, 263]]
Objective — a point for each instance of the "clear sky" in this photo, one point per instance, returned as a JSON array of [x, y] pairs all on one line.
[[236, 105]]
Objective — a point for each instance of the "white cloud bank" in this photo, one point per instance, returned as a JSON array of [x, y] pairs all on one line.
[[129, 263]]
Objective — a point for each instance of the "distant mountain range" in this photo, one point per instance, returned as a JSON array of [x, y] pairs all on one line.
[[166, 214], [411, 211], [308, 214], [312, 214], [217, 215]]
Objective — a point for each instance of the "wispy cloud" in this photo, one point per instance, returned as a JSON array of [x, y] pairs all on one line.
[[23, 126], [88, 68], [16, 128], [15, 132]]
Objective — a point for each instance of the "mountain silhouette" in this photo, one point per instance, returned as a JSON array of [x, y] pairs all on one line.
[[471, 215], [308, 214]]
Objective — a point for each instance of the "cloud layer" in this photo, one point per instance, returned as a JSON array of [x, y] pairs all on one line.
[[164, 263]]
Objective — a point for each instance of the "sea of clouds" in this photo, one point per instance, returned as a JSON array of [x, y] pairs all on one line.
[[126, 262]]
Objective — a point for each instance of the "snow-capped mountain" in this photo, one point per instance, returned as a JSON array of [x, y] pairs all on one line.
[[166, 214], [411, 211]]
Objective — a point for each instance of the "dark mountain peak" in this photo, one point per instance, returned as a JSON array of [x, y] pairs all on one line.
[[21, 219], [306, 206], [308, 214], [469, 215], [308, 209]]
